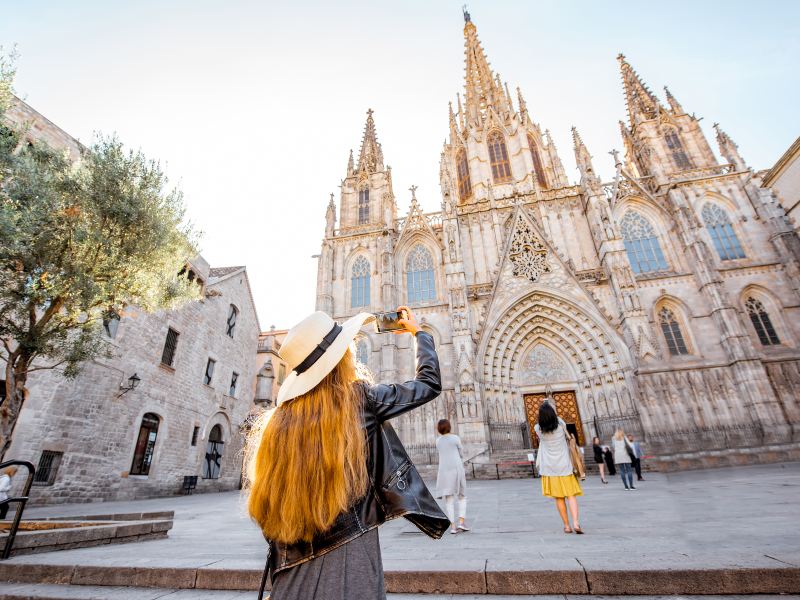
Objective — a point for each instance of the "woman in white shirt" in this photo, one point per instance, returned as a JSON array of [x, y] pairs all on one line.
[[620, 446], [451, 481], [5, 487], [555, 466]]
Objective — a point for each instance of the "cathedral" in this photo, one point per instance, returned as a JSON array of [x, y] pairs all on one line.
[[665, 302]]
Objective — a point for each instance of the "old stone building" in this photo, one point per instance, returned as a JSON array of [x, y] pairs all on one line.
[[784, 179], [664, 301], [272, 369], [170, 401]]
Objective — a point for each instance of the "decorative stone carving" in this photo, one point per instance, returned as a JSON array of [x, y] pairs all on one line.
[[543, 366], [527, 253]]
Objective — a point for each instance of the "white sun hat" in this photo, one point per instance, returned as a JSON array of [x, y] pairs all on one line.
[[312, 349]]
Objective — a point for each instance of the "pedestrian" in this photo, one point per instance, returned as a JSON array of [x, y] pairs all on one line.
[[608, 456], [325, 468], [555, 466], [451, 481], [5, 487], [623, 458], [638, 454], [597, 448]]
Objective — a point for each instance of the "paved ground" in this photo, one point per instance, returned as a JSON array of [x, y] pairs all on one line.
[[745, 516]]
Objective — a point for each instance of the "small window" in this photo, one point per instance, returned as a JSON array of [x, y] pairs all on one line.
[[362, 351], [48, 467], [762, 323], [209, 374], [462, 171], [359, 283], [363, 206], [213, 462], [170, 345], [498, 157], [145, 445], [281, 374], [678, 153], [537, 164], [231, 323], [722, 234], [672, 332], [234, 380], [111, 324], [195, 433]]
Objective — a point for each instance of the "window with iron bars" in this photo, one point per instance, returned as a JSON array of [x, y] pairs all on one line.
[[48, 467], [209, 374], [234, 380], [170, 345]]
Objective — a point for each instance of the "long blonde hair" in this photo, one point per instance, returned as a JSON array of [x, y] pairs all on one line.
[[306, 461], [619, 435]]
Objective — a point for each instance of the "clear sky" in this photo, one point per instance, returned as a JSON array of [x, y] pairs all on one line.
[[252, 107]]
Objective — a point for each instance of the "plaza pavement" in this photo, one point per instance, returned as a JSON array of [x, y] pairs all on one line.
[[731, 530]]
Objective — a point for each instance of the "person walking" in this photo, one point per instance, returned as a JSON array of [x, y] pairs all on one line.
[[325, 468], [555, 466], [597, 448], [451, 481], [608, 456], [623, 457], [638, 454], [5, 487]]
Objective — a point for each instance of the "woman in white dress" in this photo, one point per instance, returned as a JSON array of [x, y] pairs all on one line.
[[451, 483]]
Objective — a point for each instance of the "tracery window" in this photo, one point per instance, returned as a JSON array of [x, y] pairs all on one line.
[[498, 157], [722, 234], [678, 153], [462, 171], [362, 351], [145, 445], [359, 282], [419, 275], [762, 323], [672, 332], [641, 244], [363, 206], [537, 164]]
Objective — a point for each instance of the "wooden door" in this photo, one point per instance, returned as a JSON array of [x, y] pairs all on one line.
[[566, 407]]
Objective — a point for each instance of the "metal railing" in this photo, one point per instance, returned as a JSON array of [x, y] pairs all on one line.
[[423, 454], [509, 436], [20, 500], [605, 427]]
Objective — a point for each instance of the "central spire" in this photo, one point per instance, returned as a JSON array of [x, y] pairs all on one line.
[[642, 104], [482, 88], [370, 159]]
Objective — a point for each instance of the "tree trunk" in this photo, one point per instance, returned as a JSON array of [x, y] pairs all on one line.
[[12, 405]]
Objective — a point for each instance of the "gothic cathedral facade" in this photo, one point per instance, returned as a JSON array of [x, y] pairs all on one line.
[[665, 302]]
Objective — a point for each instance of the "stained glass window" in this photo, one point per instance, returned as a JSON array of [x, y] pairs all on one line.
[[722, 234], [672, 332], [498, 157], [419, 275], [761, 321], [537, 164], [462, 169], [359, 281], [678, 153], [641, 244], [363, 206]]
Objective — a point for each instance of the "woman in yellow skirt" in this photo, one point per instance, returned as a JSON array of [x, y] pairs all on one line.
[[555, 466]]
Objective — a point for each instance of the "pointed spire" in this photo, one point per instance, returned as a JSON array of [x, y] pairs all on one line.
[[453, 125], [523, 107], [729, 149], [461, 121], [583, 159], [350, 164], [370, 159], [330, 217], [558, 167], [480, 86], [673, 103], [642, 104]]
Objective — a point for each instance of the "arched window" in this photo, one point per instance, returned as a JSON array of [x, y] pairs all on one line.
[[419, 275], [719, 227], [498, 157], [363, 206], [362, 351], [537, 164], [233, 314], [761, 321], [672, 332], [678, 153], [462, 170], [359, 281], [145, 445], [213, 461], [641, 244]]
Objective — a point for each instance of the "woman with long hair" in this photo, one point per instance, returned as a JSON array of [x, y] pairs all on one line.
[[451, 480], [325, 468], [599, 459], [623, 457], [555, 466]]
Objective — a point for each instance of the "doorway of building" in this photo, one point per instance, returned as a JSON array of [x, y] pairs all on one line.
[[567, 408]]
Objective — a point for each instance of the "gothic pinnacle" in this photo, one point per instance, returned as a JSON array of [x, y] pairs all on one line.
[[370, 158], [640, 101], [729, 149], [673, 103], [350, 165]]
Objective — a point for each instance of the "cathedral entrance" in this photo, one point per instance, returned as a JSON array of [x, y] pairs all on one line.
[[567, 408]]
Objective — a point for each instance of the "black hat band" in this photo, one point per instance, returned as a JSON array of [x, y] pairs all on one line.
[[319, 350]]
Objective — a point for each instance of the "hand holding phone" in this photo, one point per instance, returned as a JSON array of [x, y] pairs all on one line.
[[400, 321]]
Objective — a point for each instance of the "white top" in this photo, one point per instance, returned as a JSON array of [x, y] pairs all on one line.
[[553, 459], [620, 452], [5, 485], [451, 479]]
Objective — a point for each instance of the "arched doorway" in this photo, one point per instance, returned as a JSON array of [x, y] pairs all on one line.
[[213, 461]]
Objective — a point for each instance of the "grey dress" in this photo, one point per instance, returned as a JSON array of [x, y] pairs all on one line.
[[451, 480], [353, 571]]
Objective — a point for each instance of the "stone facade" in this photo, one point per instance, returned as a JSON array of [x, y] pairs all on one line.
[[664, 301], [784, 180], [24, 117], [95, 424], [272, 369]]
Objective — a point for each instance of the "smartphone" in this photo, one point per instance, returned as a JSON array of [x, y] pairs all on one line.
[[389, 321]]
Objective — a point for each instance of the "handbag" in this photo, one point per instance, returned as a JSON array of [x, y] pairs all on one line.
[[575, 456], [629, 450]]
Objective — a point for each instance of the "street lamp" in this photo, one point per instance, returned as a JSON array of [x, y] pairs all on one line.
[[133, 381]]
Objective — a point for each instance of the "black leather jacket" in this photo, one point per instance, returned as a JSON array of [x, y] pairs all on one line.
[[396, 488]]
